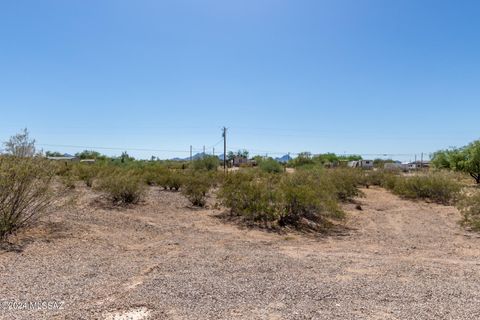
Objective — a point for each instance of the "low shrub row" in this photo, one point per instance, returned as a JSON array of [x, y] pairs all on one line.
[[303, 198], [438, 187]]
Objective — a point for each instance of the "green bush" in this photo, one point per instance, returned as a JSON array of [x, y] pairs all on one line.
[[346, 182], [270, 165], [153, 175], [310, 196], [86, 173], [122, 187], [68, 182], [171, 180], [287, 199], [379, 178], [175, 180], [25, 192], [437, 187], [196, 186], [255, 198], [469, 207], [209, 163]]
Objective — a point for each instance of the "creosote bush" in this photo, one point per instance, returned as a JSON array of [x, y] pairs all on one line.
[[152, 175], [270, 165], [207, 162], [251, 196], [86, 173], [171, 180], [25, 192], [469, 207], [346, 182], [437, 187], [310, 196], [381, 178], [122, 187], [306, 198], [196, 186]]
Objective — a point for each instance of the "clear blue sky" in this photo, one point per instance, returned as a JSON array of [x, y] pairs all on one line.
[[353, 76]]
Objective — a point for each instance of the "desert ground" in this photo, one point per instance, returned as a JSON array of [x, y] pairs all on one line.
[[394, 259]]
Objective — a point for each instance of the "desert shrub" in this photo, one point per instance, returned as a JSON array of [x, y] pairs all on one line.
[[170, 180], [346, 182], [437, 187], [469, 207], [86, 173], [162, 180], [209, 163], [287, 199], [68, 181], [62, 168], [152, 175], [310, 196], [196, 186], [253, 197], [25, 192], [270, 165], [379, 178], [122, 187], [175, 180]]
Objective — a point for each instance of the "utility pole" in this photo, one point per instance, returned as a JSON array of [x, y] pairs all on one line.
[[213, 151], [421, 161], [224, 135], [203, 152], [191, 154]]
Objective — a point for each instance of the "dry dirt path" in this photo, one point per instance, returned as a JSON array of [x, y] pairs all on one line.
[[162, 260]]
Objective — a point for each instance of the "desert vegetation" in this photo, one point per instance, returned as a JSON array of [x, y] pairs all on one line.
[[469, 206], [310, 197], [26, 192], [122, 187], [465, 159], [305, 198]]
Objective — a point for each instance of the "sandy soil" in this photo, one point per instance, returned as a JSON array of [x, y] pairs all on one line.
[[162, 260]]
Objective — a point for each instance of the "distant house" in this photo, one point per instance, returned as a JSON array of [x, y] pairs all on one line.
[[88, 160], [364, 164], [66, 159], [240, 161]]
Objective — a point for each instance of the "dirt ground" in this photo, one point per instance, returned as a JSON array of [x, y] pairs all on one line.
[[397, 259]]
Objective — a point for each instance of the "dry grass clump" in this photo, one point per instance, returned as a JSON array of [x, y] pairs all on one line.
[[25, 192]]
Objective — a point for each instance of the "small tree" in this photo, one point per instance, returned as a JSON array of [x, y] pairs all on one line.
[[303, 158], [466, 159], [53, 154], [90, 154], [20, 145], [240, 153], [471, 163]]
